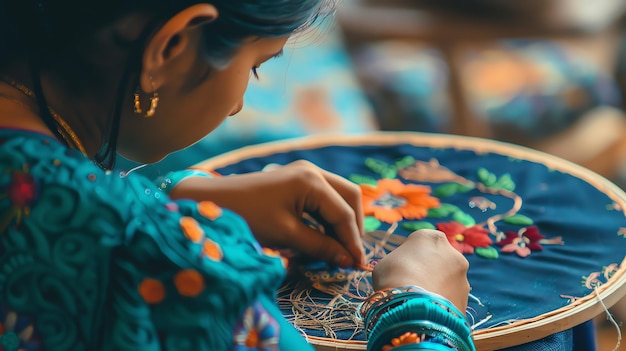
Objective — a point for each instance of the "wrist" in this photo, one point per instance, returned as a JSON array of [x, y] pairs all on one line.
[[412, 318], [171, 180]]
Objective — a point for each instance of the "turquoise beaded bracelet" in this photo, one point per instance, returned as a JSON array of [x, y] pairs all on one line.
[[390, 312]]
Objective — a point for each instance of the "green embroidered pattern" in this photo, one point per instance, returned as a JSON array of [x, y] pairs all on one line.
[[394, 198]]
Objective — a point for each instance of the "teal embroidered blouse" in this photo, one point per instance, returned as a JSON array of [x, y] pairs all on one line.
[[91, 260]]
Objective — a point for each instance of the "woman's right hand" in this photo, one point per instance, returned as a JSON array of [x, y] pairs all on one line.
[[426, 259]]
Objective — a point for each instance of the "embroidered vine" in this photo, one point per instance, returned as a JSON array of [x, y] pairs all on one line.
[[402, 195]]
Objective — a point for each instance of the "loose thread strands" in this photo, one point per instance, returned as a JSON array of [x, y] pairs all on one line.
[[329, 303], [320, 314], [610, 318]]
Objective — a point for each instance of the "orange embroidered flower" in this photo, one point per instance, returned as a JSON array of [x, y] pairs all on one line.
[[151, 290], [209, 210], [404, 339], [192, 229], [212, 250], [189, 283], [392, 201]]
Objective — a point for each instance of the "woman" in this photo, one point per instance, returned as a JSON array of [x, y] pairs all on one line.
[[93, 260]]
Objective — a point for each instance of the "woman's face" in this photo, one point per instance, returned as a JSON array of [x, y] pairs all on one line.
[[187, 113]]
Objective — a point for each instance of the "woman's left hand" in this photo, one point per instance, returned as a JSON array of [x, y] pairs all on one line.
[[274, 202]]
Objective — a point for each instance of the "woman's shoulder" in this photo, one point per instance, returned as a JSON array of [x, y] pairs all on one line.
[[30, 147]]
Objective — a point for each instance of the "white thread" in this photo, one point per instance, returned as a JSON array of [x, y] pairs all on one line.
[[475, 298], [125, 174], [481, 322], [610, 318]]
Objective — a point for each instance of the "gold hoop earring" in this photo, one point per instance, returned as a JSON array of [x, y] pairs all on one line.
[[154, 102], [137, 103]]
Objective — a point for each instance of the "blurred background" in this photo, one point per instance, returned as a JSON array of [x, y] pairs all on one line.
[[548, 74]]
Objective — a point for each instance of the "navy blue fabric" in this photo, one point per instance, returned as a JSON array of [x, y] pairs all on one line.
[[512, 288]]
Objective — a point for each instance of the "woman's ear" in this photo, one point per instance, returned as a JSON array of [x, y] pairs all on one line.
[[170, 41]]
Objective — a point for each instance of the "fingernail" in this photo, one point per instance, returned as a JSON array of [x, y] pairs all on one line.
[[345, 262]]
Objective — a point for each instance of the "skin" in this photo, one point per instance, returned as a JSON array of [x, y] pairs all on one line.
[[428, 260], [271, 202], [188, 113]]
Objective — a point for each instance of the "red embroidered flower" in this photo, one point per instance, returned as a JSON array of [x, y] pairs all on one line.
[[22, 190], [463, 238], [391, 200], [522, 243]]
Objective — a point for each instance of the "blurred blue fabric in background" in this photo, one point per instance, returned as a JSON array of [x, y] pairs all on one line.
[[311, 89]]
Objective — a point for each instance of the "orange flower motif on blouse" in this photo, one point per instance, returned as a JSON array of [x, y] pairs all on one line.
[[391, 200], [212, 250], [152, 291], [189, 283], [275, 253], [209, 210], [404, 339], [192, 229]]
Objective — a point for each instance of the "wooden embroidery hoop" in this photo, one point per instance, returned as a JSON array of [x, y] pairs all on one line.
[[516, 333]]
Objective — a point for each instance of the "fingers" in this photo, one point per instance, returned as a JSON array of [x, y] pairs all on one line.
[[350, 192], [340, 216], [319, 246], [337, 202]]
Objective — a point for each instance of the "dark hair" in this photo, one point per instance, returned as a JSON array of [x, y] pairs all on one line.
[[48, 31]]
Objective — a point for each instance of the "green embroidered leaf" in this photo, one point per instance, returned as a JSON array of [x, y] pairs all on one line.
[[444, 210], [389, 173], [483, 175], [376, 165], [413, 226], [361, 179], [370, 224], [487, 178], [464, 218], [487, 252], [405, 162], [505, 182], [519, 219], [446, 190], [465, 188]]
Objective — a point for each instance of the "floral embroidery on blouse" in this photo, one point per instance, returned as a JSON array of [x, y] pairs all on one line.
[[194, 232], [22, 192], [209, 210], [17, 333], [256, 331]]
